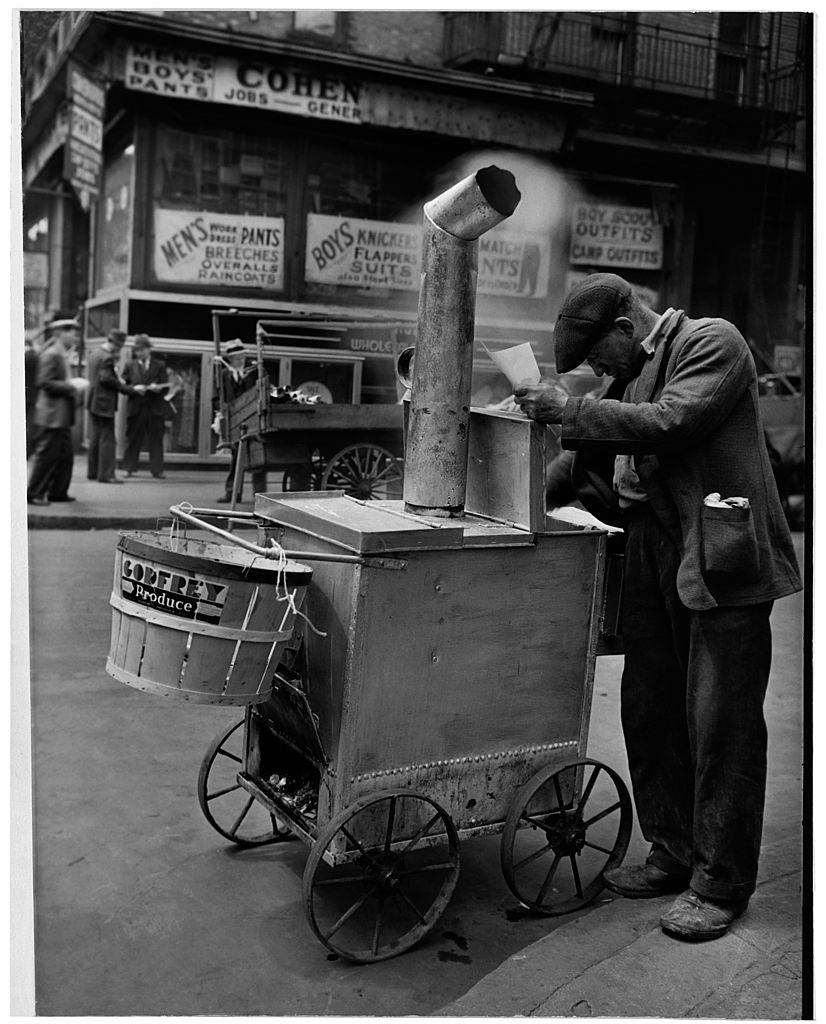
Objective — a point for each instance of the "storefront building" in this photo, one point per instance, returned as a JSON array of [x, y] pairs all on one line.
[[276, 163]]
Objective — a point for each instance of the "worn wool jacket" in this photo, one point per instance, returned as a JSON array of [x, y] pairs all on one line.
[[692, 422]]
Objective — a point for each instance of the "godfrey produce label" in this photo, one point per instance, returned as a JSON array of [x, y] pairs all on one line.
[[384, 254], [219, 249], [176, 593]]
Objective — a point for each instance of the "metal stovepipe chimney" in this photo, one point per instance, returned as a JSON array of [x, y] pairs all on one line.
[[435, 477]]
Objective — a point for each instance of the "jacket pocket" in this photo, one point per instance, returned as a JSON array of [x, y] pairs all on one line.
[[730, 542]]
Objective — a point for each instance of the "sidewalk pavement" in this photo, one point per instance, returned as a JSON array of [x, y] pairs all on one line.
[[616, 962], [140, 502]]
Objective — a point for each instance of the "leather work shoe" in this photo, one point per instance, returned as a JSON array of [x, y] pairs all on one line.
[[643, 881], [694, 918]]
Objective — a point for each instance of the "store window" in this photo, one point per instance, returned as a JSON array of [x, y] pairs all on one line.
[[116, 221], [220, 200], [184, 428], [35, 262], [221, 172]]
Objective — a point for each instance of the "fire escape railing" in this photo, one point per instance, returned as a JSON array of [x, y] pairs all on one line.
[[614, 50]]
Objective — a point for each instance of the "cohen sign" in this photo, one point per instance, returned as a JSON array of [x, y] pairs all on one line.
[[247, 83]]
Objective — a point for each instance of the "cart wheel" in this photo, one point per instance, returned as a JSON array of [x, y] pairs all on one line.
[[231, 810], [566, 827], [364, 471], [389, 896]]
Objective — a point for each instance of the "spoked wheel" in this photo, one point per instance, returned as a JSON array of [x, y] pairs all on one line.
[[397, 886], [229, 808], [364, 471], [566, 827]]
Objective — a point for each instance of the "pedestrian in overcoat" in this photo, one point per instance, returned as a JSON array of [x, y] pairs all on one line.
[[57, 396], [147, 376], [105, 385]]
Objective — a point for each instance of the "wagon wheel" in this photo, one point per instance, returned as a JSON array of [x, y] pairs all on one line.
[[229, 808], [565, 828], [386, 899], [364, 471]]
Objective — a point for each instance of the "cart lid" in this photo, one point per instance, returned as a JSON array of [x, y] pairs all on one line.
[[381, 527]]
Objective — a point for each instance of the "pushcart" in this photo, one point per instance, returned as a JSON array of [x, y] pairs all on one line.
[[340, 441], [438, 690]]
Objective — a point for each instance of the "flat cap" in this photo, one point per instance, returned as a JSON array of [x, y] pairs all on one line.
[[587, 313], [141, 341]]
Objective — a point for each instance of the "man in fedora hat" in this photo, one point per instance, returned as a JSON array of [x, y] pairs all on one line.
[[236, 378], [57, 396], [105, 385], [677, 443], [147, 378]]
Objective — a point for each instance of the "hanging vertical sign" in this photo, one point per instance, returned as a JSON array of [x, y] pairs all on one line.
[[83, 158]]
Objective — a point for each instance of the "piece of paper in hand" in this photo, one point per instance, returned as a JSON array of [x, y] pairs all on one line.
[[518, 363]]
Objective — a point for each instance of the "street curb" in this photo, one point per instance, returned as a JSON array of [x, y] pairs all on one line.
[[36, 522]]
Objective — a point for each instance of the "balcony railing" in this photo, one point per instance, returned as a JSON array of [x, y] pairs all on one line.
[[614, 50]]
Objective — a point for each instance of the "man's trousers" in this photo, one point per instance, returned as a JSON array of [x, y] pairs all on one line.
[[53, 462], [692, 713], [144, 426], [101, 453]]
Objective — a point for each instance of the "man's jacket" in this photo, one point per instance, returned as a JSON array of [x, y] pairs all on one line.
[[56, 396], [152, 403], [104, 385], [692, 422]]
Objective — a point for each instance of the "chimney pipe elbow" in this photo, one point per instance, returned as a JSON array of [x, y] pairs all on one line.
[[476, 204]]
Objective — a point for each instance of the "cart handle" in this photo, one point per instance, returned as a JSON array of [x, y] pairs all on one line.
[[275, 551]]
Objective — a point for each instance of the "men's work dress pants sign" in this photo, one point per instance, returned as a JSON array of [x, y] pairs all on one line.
[[222, 249]]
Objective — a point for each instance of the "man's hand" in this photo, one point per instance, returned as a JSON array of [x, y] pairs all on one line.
[[140, 389], [541, 402]]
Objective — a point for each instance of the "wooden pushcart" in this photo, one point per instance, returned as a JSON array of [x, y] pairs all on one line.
[[342, 442]]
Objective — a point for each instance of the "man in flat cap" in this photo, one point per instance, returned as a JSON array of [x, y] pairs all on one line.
[[674, 452], [54, 411]]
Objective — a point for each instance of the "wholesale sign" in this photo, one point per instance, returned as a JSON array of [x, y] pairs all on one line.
[[359, 253], [616, 236], [219, 249]]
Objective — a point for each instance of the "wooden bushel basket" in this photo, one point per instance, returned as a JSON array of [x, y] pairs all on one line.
[[200, 621]]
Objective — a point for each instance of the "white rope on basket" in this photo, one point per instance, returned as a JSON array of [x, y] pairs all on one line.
[[281, 584], [275, 552]]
